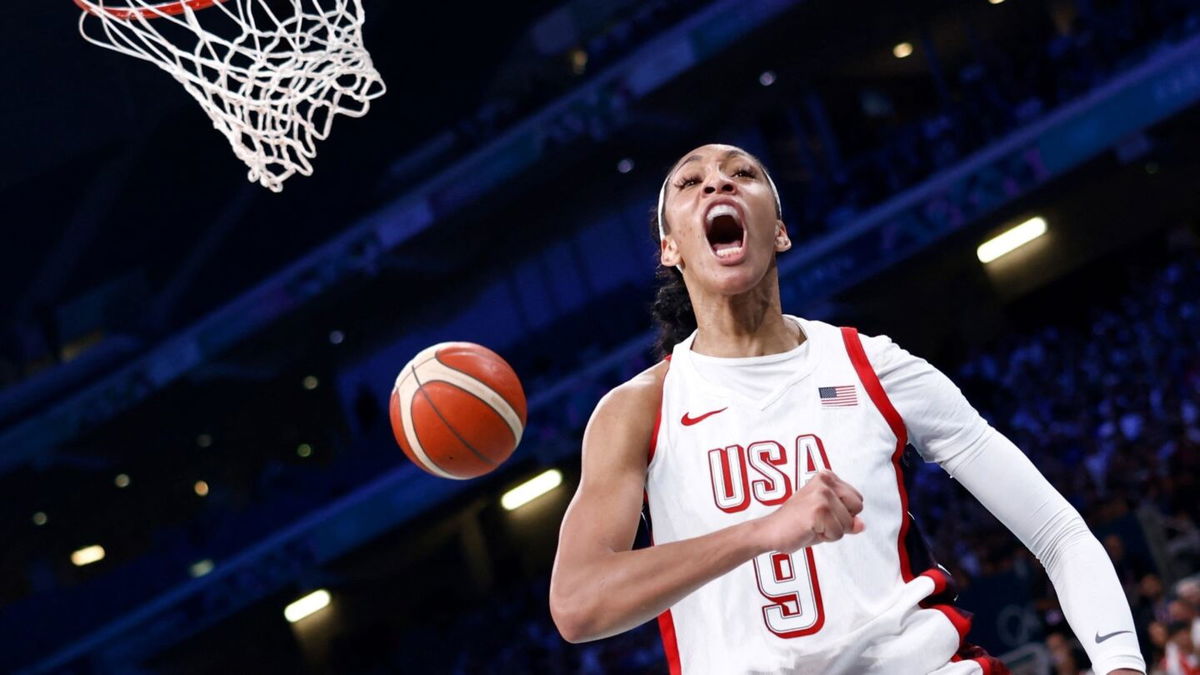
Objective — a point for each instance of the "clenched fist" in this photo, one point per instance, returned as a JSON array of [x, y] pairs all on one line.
[[825, 509]]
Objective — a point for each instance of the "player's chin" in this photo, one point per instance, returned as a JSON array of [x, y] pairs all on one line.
[[735, 279]]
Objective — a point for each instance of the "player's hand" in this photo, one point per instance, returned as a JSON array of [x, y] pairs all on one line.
[[825, 509]]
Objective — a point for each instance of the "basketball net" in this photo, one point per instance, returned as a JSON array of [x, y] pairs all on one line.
[[271, 74]]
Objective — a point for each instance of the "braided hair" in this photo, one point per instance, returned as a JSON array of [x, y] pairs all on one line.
[[672, 306]]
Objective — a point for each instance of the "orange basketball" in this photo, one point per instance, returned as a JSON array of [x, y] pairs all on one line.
[[457, 410]]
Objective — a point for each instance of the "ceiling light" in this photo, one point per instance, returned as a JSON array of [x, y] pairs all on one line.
[[200, 568], [767, 78], [304, 450], [39, 519], [1012, 239], [903, 50], [625, 165], [531, 489], [201, 488], [311, 382], [306, 605], [579, 61], [122, 480], [88, 555]]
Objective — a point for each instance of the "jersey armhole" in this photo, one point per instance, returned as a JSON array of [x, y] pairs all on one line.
[[666, 622], [662, 400], [870, 381]]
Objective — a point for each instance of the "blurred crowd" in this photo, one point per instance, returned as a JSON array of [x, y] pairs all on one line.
[[1110, 412], [1001, 86]]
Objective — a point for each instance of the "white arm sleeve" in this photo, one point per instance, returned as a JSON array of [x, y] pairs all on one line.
[[946, 429]]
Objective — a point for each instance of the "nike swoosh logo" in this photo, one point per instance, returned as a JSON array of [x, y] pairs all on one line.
[[1100, 638], [689, 421]]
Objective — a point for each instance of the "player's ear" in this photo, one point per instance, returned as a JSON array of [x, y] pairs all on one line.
[[669, 253], [782, 241]]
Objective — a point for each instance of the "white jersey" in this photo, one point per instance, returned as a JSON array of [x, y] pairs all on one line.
[[720, 457]]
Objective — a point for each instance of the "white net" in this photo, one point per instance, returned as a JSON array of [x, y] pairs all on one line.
[[271, 74]]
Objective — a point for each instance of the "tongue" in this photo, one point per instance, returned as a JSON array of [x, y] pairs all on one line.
[[726, 245]]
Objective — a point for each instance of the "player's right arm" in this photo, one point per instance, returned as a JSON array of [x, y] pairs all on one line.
[[600, 587]]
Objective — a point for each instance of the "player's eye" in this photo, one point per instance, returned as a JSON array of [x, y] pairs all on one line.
[[745, 171], [686, 181]]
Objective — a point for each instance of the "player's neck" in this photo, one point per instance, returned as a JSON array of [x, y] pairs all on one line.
[[751, 324]]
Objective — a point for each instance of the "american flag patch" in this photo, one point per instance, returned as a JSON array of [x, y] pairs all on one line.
[[838, 397]]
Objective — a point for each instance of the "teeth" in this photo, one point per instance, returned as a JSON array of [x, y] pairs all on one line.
[[726, 252], [720, 210]]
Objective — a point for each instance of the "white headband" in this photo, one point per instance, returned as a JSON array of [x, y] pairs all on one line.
[[662, 201]]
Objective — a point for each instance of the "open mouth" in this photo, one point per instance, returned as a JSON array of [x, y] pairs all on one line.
[[725, 233]]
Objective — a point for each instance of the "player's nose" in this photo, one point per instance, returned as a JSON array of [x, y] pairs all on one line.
[[720, 183]]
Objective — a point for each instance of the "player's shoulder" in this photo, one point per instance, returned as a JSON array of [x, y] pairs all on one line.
[[832, 336], [639, 393], [819, 331], [876, 343], [872, 344], [879, 348], [625, 417], [890, 360]]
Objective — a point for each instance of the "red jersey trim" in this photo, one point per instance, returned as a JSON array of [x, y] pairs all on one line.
[[666, 624], [870, 381], [988, 665], [658, 419], [940, 582], [961, 623]]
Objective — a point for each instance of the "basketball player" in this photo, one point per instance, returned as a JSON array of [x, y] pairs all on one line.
[[768, 449]]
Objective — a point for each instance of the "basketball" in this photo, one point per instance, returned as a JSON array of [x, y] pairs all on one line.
[[457, 410]]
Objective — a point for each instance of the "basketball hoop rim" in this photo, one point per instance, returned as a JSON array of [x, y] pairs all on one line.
[[152, 12]]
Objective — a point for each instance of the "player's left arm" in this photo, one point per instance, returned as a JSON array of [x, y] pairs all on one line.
[[946, 429]]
